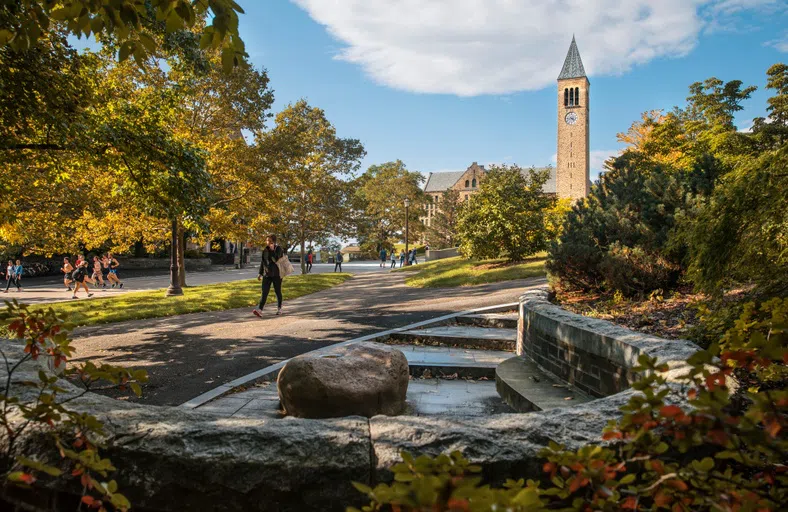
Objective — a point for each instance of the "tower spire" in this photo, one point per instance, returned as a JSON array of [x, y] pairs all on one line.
[[573, 65]]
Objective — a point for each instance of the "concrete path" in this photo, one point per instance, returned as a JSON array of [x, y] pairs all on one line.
[[191, 354], [36, 292]]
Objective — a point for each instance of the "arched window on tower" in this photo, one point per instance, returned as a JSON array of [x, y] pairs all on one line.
[[473, 183], [467, 183], [566, 97], [577, 95], [571, 97]]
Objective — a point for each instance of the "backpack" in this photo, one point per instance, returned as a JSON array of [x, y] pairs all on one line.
[[339, 257]]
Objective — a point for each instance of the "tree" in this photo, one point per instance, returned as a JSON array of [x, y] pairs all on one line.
[[140, 28], [380, 205], [442, 232], [308, 163], [506, 218], [774, 130]]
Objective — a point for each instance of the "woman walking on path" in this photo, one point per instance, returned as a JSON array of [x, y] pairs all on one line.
[[9, 275], [393, 259], [98, 274], [269, 273], [401, 258], [338, 261], [18, 271], [309, 258], [67, 269], [112, 275]]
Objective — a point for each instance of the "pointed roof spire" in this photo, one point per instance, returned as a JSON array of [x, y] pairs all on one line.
[[573, 66]]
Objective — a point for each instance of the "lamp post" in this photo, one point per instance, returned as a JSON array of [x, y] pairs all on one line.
[[175, 283], [407, 218]]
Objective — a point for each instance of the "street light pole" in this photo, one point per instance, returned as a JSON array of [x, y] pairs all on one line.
[[407, 218]]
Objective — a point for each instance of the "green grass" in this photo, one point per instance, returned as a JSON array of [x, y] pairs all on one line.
[[451, 272], [210, 297]]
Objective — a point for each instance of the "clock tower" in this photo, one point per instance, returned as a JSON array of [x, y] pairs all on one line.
[[573, 158]]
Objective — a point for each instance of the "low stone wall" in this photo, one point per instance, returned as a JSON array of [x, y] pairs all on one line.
[[593, 355], [162, 263], [441, 254]]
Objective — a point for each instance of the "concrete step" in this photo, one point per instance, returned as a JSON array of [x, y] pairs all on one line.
[[479, 338], [447, 361], [526, 388], [497, 320]]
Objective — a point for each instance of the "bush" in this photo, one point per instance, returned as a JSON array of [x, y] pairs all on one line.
[[633, 271], [676, 448]]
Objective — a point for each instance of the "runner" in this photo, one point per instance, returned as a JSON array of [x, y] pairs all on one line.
[[98, 275], [67, 269], [9, 275], [269, 274], [112, 275], [79, 275]]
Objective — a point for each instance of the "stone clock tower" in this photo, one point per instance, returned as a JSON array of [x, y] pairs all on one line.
[[573, 162]]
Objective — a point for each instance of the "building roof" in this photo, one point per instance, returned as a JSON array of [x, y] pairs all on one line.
[[440, 181], [351, 248], [573, 65]]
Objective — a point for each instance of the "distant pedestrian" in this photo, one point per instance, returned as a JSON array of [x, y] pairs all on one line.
[[309, 258], [338, 261], [18, 271], [67, 269], [383, 258], [98, 274], [269, 274], [112, 276], [413, 257], [393, 259], [9, 275], [401, 257], [79, 275]]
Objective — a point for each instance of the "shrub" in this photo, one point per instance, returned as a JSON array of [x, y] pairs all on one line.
[[678, 448], [74, 435], [633, 271]]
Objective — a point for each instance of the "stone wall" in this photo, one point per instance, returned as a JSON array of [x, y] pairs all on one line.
[[593, 355], [162, 263], [439, 254]]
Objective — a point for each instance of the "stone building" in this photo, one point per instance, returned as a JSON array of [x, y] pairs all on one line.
[[571, 175]]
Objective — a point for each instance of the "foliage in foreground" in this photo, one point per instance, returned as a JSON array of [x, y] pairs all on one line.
[[722, 449], [451, 272], [507, 217], [74, 435]]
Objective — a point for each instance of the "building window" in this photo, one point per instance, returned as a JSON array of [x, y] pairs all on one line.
[[466, 197], [473, 183], [467, 184], [566, 97], [577, 95], [571, 97]]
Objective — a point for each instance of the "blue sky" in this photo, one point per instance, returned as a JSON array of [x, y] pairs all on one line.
[[443, 83]]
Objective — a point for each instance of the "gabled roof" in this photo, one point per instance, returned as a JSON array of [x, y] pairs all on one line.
[[573, 65], [440, 181]]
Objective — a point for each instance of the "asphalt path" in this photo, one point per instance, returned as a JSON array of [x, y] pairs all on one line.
[[47, 290], [188, 355]]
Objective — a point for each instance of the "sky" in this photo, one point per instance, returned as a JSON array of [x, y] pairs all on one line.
[[440, 84]]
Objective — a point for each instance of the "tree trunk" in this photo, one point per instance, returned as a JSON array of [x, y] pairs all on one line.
[[175, 283], [303, 260], [181, 258]]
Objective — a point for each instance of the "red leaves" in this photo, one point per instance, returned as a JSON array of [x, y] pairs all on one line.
[[671, 411], [92, 502], [715, 381], [612, 434], [27, 478], [677, 484], [459, 505], [631, 503]]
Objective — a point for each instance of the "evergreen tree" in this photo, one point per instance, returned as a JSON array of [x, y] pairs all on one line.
[[442, 232]]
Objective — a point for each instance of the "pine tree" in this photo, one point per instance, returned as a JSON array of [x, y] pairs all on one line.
[[442, 232]]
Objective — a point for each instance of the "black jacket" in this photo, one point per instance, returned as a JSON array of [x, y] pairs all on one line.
[[268, 266]]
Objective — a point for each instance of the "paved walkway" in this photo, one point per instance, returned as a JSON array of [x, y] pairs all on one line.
[[50, 291], [190, 354]]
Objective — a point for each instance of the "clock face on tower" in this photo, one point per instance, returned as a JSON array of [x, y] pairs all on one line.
[[571, 118]]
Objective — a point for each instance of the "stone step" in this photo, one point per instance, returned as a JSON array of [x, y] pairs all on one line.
[[448, 361], [498, 320], [526, 388], [479, 338]]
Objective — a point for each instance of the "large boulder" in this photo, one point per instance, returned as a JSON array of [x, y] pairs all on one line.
[[360, 379]]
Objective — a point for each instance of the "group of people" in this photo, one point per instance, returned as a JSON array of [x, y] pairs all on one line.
[[98, 272], [411, 256], [13, 275]]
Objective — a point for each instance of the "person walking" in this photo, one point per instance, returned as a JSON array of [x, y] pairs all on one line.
[[413, 257], [383, 257], [67, 269], [79, 275], [309, 258], [401, 257], [9, 275], [98, 274], [393, 259], [18, 271], [112, 275], [338, 261], [269, 274]]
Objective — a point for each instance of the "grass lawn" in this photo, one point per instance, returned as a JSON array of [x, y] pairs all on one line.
[[209, 297], [459, 271]]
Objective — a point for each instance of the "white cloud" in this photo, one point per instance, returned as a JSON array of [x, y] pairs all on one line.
[[598, 157], [780, 44], [471, 47]]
